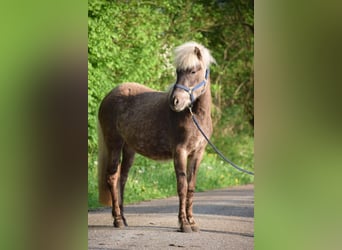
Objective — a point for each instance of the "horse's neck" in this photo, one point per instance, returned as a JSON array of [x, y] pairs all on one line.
[[203, 104]]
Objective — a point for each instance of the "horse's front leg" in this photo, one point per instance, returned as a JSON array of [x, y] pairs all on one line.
[[193, 165], [180, 162]]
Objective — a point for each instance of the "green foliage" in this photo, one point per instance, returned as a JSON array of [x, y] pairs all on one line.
[[133, 42]]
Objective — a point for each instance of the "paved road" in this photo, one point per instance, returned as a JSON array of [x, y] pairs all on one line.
[[226, 219]]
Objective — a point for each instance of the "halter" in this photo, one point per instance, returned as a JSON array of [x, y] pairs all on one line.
[[191, 90]]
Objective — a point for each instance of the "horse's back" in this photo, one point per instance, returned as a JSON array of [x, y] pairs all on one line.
[[121, 95], [131, 89]]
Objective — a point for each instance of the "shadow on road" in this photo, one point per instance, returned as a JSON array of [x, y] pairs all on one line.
[[219, 202], [164, 229]]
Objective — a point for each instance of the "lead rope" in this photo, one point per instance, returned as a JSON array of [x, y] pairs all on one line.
[[215, 148]]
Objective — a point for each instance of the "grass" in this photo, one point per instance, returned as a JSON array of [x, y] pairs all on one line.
[[153, 180]]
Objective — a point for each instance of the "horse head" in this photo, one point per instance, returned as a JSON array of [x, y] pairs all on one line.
[[192, 62]]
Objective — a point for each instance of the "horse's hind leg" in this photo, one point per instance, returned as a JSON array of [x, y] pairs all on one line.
[[113, 173], [193, 165], [127, 161]]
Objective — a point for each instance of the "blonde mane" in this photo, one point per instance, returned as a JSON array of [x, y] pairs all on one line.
[[186, 57]]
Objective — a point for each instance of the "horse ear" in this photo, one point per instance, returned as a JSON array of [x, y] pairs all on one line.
[[198, 53]]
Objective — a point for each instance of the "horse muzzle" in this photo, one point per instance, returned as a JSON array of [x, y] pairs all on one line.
[[179, 100]]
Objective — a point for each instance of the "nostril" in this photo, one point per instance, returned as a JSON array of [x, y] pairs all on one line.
[[175, 101]]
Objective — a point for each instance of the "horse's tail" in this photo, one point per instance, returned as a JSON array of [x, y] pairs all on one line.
[[102, 163]]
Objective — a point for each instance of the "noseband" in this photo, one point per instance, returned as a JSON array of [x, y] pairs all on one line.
[[191, 90]]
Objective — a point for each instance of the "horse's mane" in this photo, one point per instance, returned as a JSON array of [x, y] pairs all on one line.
[[186, 57]]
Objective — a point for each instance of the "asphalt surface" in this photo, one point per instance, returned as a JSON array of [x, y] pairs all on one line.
[[225, 217]]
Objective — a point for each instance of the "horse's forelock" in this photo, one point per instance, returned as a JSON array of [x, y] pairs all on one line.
[[191, 54]]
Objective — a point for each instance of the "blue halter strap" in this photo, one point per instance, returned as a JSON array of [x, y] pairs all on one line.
[[191, 90]]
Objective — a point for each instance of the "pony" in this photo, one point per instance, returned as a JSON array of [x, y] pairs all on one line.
[[133, 118]]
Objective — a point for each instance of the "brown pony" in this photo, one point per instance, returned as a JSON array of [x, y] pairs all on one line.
[[158, 125]]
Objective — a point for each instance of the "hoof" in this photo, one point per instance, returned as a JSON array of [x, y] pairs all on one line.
[[186, 229], [195, 228], [118, 224]]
